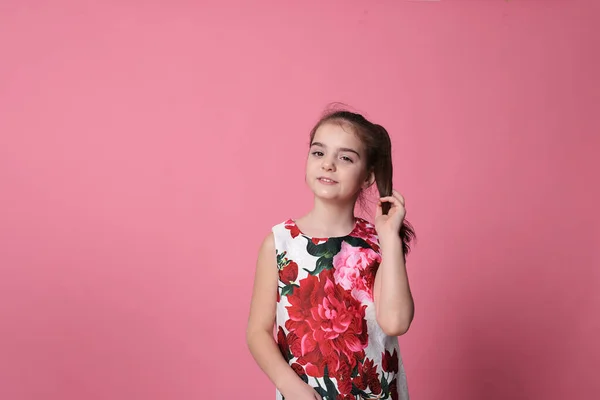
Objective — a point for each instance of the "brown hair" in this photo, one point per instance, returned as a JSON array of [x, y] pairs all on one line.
[[378, 147]]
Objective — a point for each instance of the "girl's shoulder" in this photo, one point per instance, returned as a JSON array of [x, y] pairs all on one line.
[[286, 228]]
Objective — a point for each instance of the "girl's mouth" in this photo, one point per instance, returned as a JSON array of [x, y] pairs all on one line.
[[327, 181]]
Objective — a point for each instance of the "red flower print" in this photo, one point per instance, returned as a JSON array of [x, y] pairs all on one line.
[[283, 344], [355, 269], [294, 342], [369, 276], [393, 389], [345, 397], [368, 377], [390, 361], [360, 382], [291, 225], [345, 385], [342, 376], [326, 324], [298, 369], [289, 273], [366, 231]]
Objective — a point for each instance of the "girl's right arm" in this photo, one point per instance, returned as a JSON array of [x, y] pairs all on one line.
[[259, 333]]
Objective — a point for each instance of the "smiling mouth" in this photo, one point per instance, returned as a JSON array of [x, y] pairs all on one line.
[[327, 181]]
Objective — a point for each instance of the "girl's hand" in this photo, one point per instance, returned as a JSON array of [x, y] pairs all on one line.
[[388, 226], [300, 391]]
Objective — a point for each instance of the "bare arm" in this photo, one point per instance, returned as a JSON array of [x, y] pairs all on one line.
[[259, 333], [393, 298]]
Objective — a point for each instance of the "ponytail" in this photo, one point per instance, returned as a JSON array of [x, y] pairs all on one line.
[[383, 170]]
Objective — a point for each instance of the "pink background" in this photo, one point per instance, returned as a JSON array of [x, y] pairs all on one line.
[[147, 147]]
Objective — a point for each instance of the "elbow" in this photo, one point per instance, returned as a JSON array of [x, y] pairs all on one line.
[[251, 342], [248, 338], [395, 326], [255, 335], [250, 335], [396, 329], [395, 322]]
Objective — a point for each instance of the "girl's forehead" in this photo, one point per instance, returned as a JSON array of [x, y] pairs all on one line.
[[337, 135]]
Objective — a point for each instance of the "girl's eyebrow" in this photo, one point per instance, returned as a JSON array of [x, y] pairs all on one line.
[[344, 149]]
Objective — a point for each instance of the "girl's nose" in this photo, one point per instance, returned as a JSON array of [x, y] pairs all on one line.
[[328, 165]]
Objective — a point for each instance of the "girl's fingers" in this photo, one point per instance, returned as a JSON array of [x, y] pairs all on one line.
[[400, 198], [390, 199], [378, 210], [396, 200]]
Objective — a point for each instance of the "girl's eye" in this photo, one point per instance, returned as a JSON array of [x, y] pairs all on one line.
[[317, 153], [346, 159]]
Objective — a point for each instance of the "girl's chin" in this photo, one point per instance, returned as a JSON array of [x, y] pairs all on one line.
[[331, 197], [331, 193]]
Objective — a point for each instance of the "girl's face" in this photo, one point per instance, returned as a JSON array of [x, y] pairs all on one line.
[[336, 167]]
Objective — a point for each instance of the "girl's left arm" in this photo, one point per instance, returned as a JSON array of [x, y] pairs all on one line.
[[393, 299]]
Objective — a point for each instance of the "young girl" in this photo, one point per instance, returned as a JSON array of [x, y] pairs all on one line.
[[334, 286]]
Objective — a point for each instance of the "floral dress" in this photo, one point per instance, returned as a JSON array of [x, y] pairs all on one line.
[[325, 325]]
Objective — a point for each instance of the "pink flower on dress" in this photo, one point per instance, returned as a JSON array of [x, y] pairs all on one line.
[[355, 269]]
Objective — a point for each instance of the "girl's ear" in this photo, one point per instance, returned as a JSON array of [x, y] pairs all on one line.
[[370, 180]]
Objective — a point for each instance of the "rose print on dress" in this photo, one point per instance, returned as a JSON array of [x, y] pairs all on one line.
[[367, 378], [390, 361], [326, 325], [294, 230], [355, 269], [327, 250], [366, 231], [324, 293], [288, 273]]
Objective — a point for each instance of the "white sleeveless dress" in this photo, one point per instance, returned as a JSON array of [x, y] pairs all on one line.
[[326, 326]]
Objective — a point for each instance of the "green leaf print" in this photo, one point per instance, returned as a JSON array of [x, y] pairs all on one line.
[[322, 264], [354, 371], [385, 387], [288, 289], [321, 392], [357, 392], [328, 249], [281, 262], [332, 392], [357, 242]]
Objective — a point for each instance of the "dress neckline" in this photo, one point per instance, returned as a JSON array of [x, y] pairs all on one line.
[[354, 229]]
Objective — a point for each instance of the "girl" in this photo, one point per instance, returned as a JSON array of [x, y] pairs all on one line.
[[334, 286]]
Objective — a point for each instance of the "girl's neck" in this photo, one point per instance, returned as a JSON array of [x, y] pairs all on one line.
[[329, 219]]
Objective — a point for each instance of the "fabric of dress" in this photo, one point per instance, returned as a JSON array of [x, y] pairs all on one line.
[[326, 324]]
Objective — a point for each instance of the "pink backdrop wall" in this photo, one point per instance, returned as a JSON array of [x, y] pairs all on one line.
[[147, 147]]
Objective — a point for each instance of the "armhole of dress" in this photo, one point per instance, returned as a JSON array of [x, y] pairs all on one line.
[[277, 238]]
